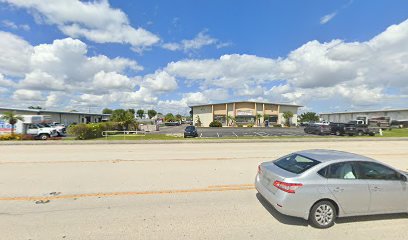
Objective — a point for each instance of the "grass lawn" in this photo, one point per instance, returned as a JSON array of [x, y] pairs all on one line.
[[397, 132], [393, 133]]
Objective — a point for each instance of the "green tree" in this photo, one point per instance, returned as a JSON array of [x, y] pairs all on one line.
[[169, 118], [34, 107], [287, 115], [230, 120], [309, 117], [140, 113], [126, 118], [151, 113], [178, 117], [107, 111], [131, 110], [12, 119], [198, 121], [258, 119]]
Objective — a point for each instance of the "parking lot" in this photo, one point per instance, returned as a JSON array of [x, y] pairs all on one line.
[[184, 191], [236, 132]]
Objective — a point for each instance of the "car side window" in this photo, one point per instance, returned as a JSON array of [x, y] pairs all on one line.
[[376, 171], [344, 170]]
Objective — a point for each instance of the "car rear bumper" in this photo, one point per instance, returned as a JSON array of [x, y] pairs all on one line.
[[281, 201]]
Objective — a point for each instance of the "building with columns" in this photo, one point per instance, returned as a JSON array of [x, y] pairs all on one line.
[[244, 113]]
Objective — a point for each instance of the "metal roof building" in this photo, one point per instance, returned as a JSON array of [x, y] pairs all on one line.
[[60, 116]]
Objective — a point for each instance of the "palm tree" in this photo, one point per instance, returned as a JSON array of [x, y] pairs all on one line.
[[258, 119], [230, 119], [12, 119]]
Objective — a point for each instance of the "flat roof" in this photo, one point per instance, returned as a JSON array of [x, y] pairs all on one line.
[[50, 111], [368, 111], [283, 104]]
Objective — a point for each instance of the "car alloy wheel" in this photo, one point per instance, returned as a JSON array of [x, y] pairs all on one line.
[[323, 215]]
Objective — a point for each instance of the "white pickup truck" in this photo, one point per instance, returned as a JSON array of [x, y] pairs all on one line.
[[31, 125]]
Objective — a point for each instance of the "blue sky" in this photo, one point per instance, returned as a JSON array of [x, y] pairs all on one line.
[[167, 55]]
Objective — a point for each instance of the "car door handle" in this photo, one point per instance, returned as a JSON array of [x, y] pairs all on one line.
[[338, 189], [376, 188]]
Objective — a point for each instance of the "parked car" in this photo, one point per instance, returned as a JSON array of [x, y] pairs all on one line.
[[337, 128], [61, 130], [355, 129], [40, 132], [320, 129], [190, 131], [321, 185]]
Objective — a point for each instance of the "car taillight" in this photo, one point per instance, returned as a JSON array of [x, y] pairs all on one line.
[[287, 187]]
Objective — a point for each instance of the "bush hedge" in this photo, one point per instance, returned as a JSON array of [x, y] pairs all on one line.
[[92, 130], [7, 137], [215, 124]]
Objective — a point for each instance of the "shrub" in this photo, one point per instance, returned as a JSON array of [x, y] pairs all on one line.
[[94, 130], [6, 137], [250, 125], [277, 125], [240, 125], [215, 124]]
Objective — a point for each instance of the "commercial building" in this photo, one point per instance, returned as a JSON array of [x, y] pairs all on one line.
[[243, 113], [60, 116], [392, 114]]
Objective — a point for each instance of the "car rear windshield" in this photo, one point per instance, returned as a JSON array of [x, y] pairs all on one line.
[[190, 128], [295, 163]]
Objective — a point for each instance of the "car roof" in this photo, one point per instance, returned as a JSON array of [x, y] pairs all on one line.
[[324, 155]]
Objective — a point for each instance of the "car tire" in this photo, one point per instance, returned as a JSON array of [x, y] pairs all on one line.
[[360, 133], [44, 136], [338, 133], [322, 215]]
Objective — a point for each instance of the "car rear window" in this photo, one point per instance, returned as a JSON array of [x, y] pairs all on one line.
[[295, 163], [190, 128]]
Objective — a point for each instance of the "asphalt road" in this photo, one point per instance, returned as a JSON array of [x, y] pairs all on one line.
[[165, 191]]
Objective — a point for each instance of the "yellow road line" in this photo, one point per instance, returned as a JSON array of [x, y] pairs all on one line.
[[112, 194]]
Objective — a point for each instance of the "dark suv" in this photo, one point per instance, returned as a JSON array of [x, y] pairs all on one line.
[[190, 131], [337, 129], [319, 129]]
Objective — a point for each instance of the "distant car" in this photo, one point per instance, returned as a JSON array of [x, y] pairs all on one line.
[[190, 131], [337, 128], [319, 129], [321, 185]]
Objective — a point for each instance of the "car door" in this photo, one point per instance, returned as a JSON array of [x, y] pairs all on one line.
[[388, 188], [32, 129], [350, 192]]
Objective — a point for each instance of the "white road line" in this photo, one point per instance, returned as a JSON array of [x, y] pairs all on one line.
[[201, 135], [258, 134], [218, 135], [235, 134]]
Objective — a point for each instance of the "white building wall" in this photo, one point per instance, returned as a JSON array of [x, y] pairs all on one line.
[[346, 117], [292, 109], [204, 113]]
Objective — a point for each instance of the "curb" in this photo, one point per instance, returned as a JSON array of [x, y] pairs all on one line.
[[99, 142]]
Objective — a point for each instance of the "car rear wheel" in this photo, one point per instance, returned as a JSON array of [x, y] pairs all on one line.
[[360, 133], [322, 214], [338, 133], [44, 136]]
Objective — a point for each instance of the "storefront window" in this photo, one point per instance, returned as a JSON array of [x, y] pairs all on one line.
[[273, 119], [245, 119], [220, 118]]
